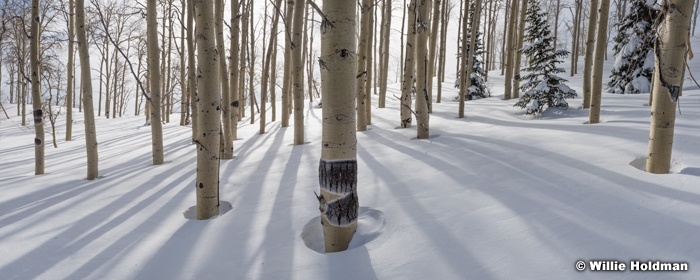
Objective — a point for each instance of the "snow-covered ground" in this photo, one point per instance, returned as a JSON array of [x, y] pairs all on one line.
[[496, 195]]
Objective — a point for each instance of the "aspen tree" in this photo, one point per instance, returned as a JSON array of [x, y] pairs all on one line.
[[600, 49], [298, 72], [369, 63], [588, 58], [463, 63], [86, 91], [38, 111], [421, 49], [408, 70], [511, 48], [287, 63], [225, 93], [266, 68], [338, 165], [384, 50], [234, 54], [251, 60], [243, 61], [208, 87], [434, 34], [506, 33], [672, 48], [154, 70], [361, 78], [184, 105], [575, 39], [403, 31], [518, 46], [69, 68], [191, 69]]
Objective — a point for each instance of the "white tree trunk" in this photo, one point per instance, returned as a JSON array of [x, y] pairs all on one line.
[[70, 93], [434, 34], [154, 71], [39, 144], [518, 45], [227, 146], [361, 78], [298, 72], [510, 46], [588, 58], [408, 70], [422, 75], [672, 46], [208, 86], [233, 69], [600, 48], [338, 165], [86, 91]]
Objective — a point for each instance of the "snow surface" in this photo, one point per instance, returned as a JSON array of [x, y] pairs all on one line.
[[492, 196], [496, 195]]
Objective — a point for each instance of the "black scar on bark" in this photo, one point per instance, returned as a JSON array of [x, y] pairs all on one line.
[[338, 176], [342, 211], [201, 186], [37, 141], [38, 116], [234, 104]]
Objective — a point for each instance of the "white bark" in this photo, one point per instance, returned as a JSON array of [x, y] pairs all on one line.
[[422, 75], [588, 58], [600, 48], [672, 45], [208, 86], [298, 67], [86, 91], [338, 165], [154, 70], [38, 111]]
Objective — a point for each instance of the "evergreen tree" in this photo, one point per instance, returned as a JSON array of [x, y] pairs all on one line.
[[634, 45], [478, 88], [542, 86]]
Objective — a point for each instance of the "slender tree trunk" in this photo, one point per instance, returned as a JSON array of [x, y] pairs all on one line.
[[600, 46], [695, 16], [463, 62], [69, 84], [369, 64], [156, 123], [519, 45], [421, 46], [506, 35], [338, 165], [433, 51], [243, 62], [574, 39], [588, 58], [408, 71], [86, 91], [511, 45], [361, 78], [273, 80], [672, 46], [191, 69], [384, 49], [403, 34], [460, 35], [225, 91], [287, 76], [251, 60], [208, 86], [266, 68], [184, 106], [39, 144], [556, 23], [442, 53], [234, 70], [298, 72]]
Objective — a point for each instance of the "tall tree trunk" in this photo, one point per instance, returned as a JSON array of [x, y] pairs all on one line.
[[39, 144], [506, 35], [225, 93], [519, 45], [233, 69], [403, 34], [298, 72], [588, 58], [361, 78], [191, 69], [556, 22], [442, 53], [511, 46], [384, 49], [575, 37], [463, 62], [408, 70], [266, 68], [86, 91], [287, 76], [369, 64], [251, 60], [672, 46], [600, 46], [208, 87], [156, 124], [433, 51], [69, 84], [243, 61], [421, 46], [338, 165], [184, 106]]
